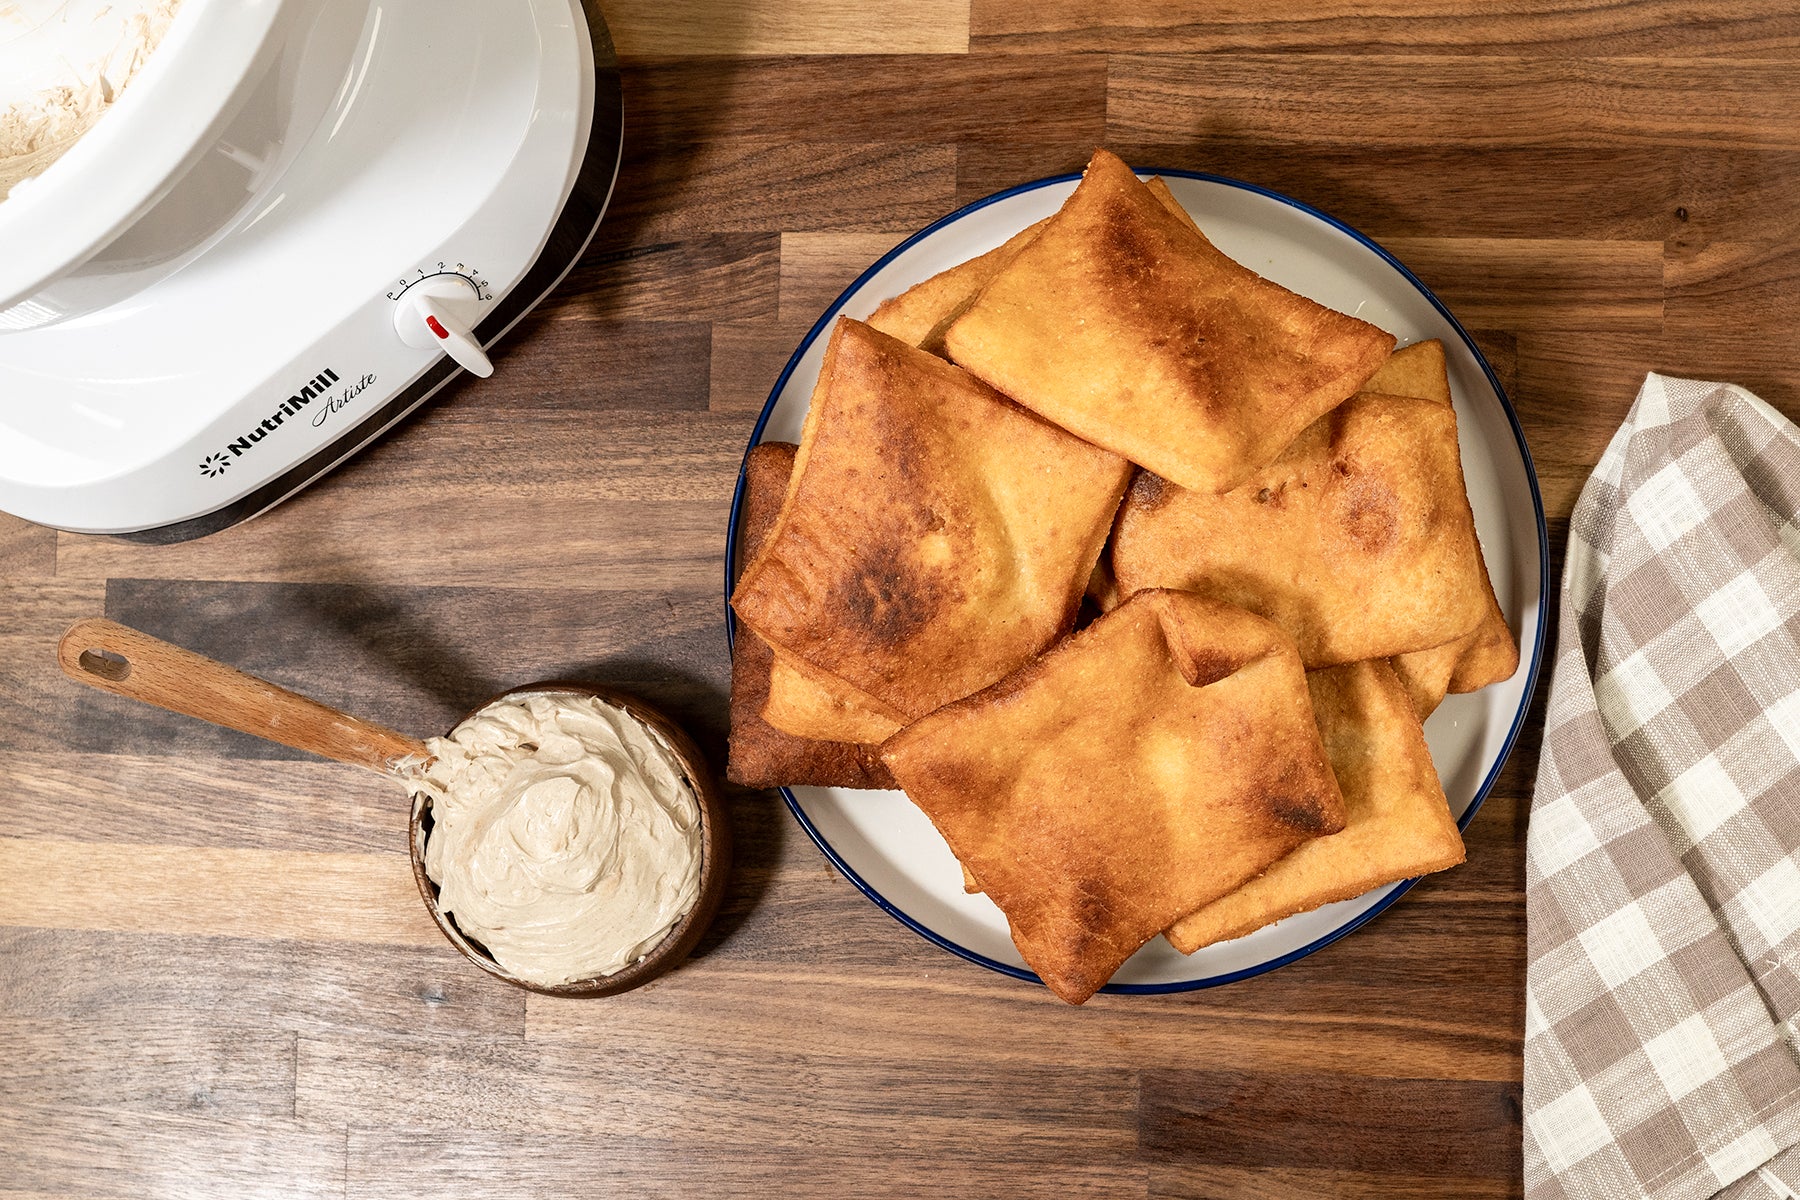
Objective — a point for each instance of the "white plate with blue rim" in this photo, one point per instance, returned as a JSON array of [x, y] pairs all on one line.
[[889, 850]]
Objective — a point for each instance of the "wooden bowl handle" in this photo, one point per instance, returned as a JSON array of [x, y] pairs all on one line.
[[126, 662]]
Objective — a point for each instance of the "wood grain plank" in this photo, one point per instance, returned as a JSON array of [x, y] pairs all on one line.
[[695, 28], [160, 981], [748, 358], [745, 185], [1403, 1126], [635, 274], [1546, 193], [907, 99], [118, 1063], [559, 360], [1521, 284], [26, 551], [1453, 101], [1727, 285], [1561, 28], [1199, 1181], [150, 798], [570, 455], [402, 1164], [66, 1152], [1574, 391], [997, 1025], [816, 267], [322, 535], [791, 922], [420, 658], [39, 704], [1572, 394], [1735, 197], [1604, 373], [741, 1100], [1495, 831], [302, 895]]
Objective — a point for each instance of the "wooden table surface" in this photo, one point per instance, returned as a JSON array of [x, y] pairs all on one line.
[[216, 979]]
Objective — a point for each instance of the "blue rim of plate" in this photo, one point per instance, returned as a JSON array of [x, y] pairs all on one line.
[[1396, 890]]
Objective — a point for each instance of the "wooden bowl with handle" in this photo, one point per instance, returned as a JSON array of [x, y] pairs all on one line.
[[715, 856], [127, 662]]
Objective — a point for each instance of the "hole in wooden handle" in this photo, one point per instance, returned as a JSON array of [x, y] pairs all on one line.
[[105, 664]]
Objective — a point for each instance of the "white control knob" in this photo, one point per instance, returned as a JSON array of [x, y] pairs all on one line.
[[439, 312]]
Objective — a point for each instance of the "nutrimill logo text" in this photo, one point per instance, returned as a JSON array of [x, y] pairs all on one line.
[[213, 465]]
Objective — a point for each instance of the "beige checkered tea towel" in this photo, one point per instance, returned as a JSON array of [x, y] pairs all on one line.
[[1663, 863]]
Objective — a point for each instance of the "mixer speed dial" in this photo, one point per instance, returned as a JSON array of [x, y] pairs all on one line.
[[439, 311]]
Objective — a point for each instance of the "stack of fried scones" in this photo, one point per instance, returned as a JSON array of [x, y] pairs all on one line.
[[1136, 571]]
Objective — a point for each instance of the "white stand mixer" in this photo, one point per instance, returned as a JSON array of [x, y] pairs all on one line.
[[294, 226]]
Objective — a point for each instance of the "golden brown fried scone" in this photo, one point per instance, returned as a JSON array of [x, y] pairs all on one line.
[[919, 315], [809, 703], [1489, 653], [1121, 323], [1425, 674], [1103, 589], [762, 756], [1136, 772], [1358, 540], [935, 535], [1397, 822], [1159, 188], [1415, 370]]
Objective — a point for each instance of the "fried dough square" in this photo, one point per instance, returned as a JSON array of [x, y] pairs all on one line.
[[762, 756], [1123, 324], [1358, 540], [934, 537], [809, 703], [1138, 771], [805, 702], [1416, 370], [920, 315], [1425, 674], [1397, 823], [1489, 653]]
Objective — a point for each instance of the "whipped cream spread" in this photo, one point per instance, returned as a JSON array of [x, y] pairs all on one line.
[[62, 64], [566, 836]]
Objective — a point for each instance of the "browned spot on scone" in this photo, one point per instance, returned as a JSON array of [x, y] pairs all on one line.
[[892, 600], [1209, 666], [1125, 248], [1148, 490], [1370, 512], [1302, 812]]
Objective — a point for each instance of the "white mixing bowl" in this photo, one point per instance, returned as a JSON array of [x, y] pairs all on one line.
[[54, 228]]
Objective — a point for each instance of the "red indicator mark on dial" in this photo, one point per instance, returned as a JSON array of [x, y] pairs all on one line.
[[432, 324]]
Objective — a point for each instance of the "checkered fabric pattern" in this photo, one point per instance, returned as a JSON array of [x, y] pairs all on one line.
[[1663, 861]]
